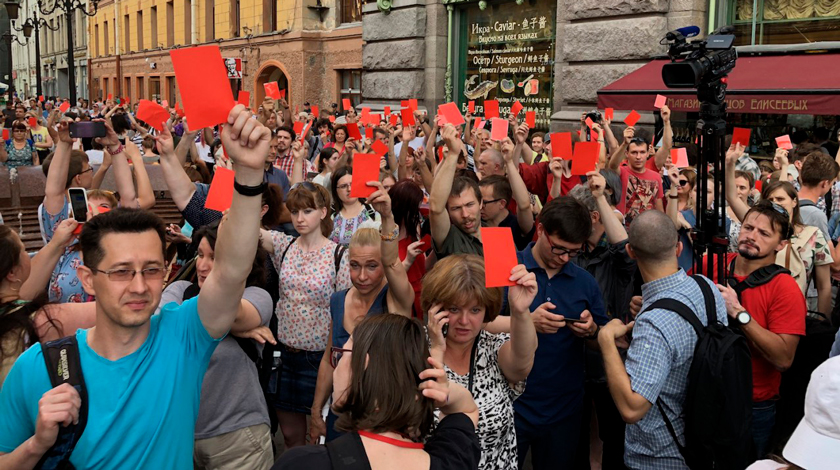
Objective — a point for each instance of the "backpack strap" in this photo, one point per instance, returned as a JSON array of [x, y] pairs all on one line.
[[347, 453], [680, 309], [708, 298], [64, 366], [759, 277], [337, 255], [283, 256]]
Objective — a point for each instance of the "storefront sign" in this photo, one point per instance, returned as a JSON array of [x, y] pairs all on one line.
[[735, 103], [508, 55]]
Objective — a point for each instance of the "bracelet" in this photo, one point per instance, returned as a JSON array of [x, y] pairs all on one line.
[[674, 197], [119, 150], [250, 190], [595, 335], [392, 236]]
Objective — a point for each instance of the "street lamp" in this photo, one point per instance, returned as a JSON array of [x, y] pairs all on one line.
[[35, 24], [12, 9], [8, 38], [47, 7]]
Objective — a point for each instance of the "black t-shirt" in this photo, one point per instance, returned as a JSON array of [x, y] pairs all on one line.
[[452, 446], [521, 240]]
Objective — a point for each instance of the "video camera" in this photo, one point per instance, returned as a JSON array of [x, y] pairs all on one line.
[[693, 63]]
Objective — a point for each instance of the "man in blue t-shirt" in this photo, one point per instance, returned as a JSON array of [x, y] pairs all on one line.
[[567, 311], [143, 375]]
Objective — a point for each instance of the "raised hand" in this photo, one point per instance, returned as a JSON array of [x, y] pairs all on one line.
[[780, 160], [556, 167], [629, 133], [63, 235], [665, 113], [523, 293], [521, 133], [111, 138], [674, 175], [164, 142], [437, 389], [597, 183], [380, 200], [246, 140], [734, 153], [64, 133]]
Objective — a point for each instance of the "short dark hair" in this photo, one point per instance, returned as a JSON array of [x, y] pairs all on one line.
[[747, 176], [818, 167], [339, 173], [120, 220], [323, 122], [406, 197], [77, 161], [210, 232], [389, 352], [566, 218], [462, 183], [287, 129], [326, 154], [778, 217], [803, 151], [500, 185]]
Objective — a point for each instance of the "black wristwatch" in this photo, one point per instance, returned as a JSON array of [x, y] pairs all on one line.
[[250, 190], [742, 318]]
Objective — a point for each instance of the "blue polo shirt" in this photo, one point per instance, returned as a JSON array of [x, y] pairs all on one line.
[[555, 385]]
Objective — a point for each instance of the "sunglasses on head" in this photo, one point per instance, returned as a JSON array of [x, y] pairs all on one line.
[[638, 140]]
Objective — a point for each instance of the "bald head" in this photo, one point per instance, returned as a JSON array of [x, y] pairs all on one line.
[[653, 237]]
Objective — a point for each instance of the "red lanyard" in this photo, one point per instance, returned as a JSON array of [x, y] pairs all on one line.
[[391, 440]]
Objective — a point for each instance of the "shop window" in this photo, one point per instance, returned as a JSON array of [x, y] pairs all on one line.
[[782, 22], [351, 86], [154, 88], [141, 89], [351, 10]]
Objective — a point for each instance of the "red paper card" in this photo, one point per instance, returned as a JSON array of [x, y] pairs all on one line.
[[33, 122], [110, 96], [451, 113], [679, 157], [608, 113], [205, 88], [332, 118], [407, 117], [427, 243], [369, 132], [283, 94], [365, 112], [41, 98], [365, 169], [412, 103], [393, 119], [64, 107], [499, 256], [500, 129], [491, 109], [375, 119], [379, 148], [164, 103], [741, 135], [298, 128], [632, 118], [531, 119], [783, 142], [345, 103], [589, 122], [272, 90], [179, 111], [6, 134], [316, 112], [387, 110], [561, 145], [585, 158], [471, 107], [305, 131], [153, 114], [759, 184], [220, 195], [404, 104], [479, 123], [660, 101], [244, 98], [517, 106], [353, 131]]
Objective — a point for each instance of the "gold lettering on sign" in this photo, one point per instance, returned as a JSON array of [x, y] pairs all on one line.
[[778, 105]]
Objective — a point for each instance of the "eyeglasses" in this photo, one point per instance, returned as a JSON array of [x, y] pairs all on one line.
[[561, 251], [306, 185], [779, 209], [127, 275], [19, 130], [342, 187], [484, 203], [90, 168], [335, 355]]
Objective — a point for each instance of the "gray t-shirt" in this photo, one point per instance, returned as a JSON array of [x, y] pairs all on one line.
[[231, 395], [812, 215]]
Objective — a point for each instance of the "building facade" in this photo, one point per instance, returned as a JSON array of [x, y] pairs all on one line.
[[310, 48]]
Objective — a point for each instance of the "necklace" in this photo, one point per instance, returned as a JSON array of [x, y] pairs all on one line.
[[391, 440]]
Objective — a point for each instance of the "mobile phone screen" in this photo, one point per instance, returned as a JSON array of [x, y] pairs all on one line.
[[78, 202]]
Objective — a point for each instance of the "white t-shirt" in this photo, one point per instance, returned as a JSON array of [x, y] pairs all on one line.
[[95, 156]]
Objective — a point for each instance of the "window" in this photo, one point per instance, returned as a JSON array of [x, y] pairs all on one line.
[[154, 88], [234, 18], [775, 22], [140, 45], [351, 86], [141, 90], [187, 23], [126, 91], [351, 11], [107, 48], [210, 20], [269, 16], [170, 24], [155, 40], [104, 88], [127, 34], [95, 40], [170, 89]]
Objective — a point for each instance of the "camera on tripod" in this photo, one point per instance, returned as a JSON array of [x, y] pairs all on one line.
[[698, 62]]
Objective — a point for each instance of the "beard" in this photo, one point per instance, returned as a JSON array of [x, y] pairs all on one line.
[[749, 252]]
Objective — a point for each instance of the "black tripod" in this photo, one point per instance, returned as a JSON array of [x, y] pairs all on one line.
[[709, 234]]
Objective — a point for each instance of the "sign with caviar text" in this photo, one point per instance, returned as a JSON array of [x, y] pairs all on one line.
[[508, 55]]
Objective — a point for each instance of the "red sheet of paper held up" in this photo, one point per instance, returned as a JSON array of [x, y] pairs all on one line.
[[33, 121], [387, 110], [305, 131], [741, 135], [499, 256], [353, 131], [346, 105], [451, 113], [369, 132], [407, 117], [561, 145], [6, 135], [41, 98], [491, 109], [316, 112], [585, 158], [365, 169], [608, 113], [783, 142], [427, 243], [283, 94], [179, 111], [205, 88], [412, 103], [499, 131], [244, 98], [393, 119], [298, 128], [660, 101], [531, 119], [110, 96], [153, 114], [272, 90], [632, 118], [679, 157], [379, 148], [517, 106], [64, 107], [471, 107], [220, 195]]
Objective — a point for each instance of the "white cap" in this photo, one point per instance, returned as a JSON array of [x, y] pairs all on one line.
[[815, 444]]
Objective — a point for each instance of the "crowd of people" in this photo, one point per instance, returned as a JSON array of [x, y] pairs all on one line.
[[306, 315]]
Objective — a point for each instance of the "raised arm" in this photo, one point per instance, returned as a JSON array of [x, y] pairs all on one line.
[[738, 206], [122, 171], [442, 185], [520, 193], [672, 209], [516, 357], [781, 158], [181, 188], [661, 155], [612, 142], [620, 154], [400, 291], [56, 185], [391, 157], [145, 193], [402, 170], [247, 143], [43, 263], [298, 154], [612, 227]]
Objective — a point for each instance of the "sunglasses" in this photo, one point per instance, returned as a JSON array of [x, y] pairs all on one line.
[[335, 355], [683, 182], [638, 140]]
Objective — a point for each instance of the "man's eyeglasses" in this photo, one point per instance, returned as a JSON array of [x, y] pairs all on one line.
[[90, 168], [561, 251], [335, 355], [491, 201], [127, 275]]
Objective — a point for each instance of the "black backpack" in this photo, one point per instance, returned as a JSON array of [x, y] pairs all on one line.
[[64, 366], [759, 277], [718, 405]]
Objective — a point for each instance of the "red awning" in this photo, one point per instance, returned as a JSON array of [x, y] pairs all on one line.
[[779, 84]]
